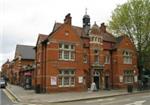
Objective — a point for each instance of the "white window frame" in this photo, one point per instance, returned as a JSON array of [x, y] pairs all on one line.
[[128, 76], [107, 59], [70, 50], [127, 57], [69, 75]]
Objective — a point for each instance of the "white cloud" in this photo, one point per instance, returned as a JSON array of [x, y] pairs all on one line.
[[22, 20]]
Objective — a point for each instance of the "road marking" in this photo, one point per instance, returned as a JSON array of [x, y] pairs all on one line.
[[109, 103], [99, 100], [137, 103], [26, 104], [9, 96]]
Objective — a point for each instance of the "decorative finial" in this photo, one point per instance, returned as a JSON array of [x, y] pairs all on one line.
[[85, 11]]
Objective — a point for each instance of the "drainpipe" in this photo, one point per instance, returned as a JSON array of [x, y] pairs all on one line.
[[42, 61], [45, 67], [111, 68]]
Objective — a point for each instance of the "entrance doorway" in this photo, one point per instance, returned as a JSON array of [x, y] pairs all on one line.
[[96, 80]]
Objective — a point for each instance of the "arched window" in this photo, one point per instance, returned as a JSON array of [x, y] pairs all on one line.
[[127, 57]]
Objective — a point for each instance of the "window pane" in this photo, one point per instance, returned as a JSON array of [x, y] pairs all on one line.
[[72, 81], [66, 72], [72, 47], [66, 80], [72, 55], [96, 59], [66, 46], [61, 72], [66, 54], [60, 81], [72, 72]]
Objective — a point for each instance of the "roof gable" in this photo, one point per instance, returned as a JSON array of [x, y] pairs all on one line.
[[41, 37], [123, 42], [59, 31]]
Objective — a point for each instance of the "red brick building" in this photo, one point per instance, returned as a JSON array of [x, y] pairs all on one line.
[[70, 58], [24, 55]]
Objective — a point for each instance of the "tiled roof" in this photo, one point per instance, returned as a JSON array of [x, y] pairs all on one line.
[[42, 37], [118, 40], [26, 52], [108, 37]]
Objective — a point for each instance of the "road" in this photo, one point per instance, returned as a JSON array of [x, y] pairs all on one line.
[[4, 100], [7, 99], [133, 99]]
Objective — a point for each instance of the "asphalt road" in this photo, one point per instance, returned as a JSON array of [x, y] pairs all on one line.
[[7, 99], [4, 100], [133, 99]]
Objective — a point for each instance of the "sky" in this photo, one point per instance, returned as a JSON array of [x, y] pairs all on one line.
[[22, 20]]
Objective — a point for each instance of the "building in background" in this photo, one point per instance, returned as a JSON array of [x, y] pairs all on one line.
[[24, 55]]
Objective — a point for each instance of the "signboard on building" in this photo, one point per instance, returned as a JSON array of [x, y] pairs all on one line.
[[135, 78], [121, 78], [80, 79], [53, 80]]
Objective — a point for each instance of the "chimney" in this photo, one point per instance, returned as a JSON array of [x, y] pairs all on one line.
[[103, 27], [67, 19]]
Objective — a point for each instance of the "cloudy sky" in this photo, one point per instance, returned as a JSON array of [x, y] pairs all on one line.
[[22, 20]]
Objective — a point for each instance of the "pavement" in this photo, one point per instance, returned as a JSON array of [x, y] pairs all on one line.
[[22, 95]]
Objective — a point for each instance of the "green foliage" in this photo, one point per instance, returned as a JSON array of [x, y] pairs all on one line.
[[133, 19]]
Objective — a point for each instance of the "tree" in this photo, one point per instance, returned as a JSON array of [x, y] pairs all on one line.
[[133, 19]]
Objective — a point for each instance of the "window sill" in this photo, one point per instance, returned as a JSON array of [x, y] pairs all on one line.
[[66, 86], [66, 60]]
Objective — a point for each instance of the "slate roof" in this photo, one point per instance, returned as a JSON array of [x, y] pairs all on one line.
[[26, 52]]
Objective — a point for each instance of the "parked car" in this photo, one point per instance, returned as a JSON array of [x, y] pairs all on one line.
[[2, 83]]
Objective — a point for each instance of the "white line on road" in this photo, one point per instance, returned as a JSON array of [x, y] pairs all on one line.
[[137, 102], [9, 96], [109, 103]]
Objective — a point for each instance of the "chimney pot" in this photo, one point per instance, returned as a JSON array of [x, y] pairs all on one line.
[[67, 19], [103, 27]]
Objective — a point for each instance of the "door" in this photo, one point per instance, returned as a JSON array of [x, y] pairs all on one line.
[[96, 80]]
